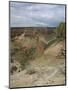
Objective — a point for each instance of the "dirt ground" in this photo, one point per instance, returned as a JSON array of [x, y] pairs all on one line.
[[49, 70]]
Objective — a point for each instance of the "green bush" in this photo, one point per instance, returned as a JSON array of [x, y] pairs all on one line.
[[60, 31]]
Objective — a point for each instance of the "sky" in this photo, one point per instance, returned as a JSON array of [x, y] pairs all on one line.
[[36, 15]]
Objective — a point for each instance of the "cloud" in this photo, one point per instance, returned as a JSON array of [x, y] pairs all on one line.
[[32, 14]]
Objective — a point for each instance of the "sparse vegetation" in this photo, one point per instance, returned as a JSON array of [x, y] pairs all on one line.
[[21, 54]]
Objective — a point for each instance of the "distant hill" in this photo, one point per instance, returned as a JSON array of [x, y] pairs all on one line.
[[15, 31]]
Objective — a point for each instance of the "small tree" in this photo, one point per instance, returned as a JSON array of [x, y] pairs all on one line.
[[60, 31]]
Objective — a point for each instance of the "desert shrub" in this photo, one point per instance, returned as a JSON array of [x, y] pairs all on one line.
[[13, 68], [27, 55], [30, 72], [61, 54], [12, 59]]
